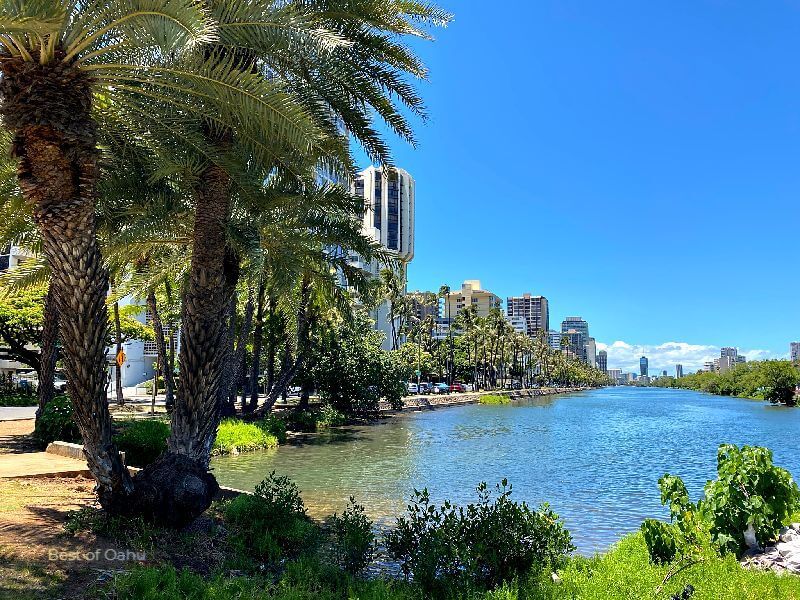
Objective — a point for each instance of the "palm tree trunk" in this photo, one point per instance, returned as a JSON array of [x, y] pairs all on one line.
[[255, 366], [57, 175], [271, 343], [161, 346], [226, 407], [47, 368], [118, 367]]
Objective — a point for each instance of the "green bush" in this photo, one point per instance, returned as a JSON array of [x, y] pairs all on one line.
[[56, 423], [354, 539], [330, 417], [302, 420], [234, 436], [494, 399], [275, 426], [749, 490], [660, 540], [143, 441], [18, 399], [272, 523], [483, 545]]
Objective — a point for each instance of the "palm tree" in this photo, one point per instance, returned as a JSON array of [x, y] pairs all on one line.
[[444, 292]]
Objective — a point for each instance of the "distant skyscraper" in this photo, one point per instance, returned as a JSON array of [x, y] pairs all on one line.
[[590, 352], [664, 373], [643, 366], [578, 332], [471, 294], [602, 361], [794, 352], [678, 371], [534, 309], [576, 323]]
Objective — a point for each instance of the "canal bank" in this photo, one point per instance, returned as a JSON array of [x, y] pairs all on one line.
[[431, 401]]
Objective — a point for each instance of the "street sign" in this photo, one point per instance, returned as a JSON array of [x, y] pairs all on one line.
[[121, 358]]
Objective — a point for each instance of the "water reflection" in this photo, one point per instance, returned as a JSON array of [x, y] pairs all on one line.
[[596, 456]]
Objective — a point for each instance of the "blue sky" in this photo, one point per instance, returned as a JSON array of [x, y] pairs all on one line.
[[638, 163]]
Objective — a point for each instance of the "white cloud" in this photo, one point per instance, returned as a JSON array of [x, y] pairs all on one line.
[[664, 357]]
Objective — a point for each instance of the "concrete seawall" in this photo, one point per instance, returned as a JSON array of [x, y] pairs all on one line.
[[430, 402]]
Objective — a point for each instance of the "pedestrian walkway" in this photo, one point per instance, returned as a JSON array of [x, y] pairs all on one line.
[[40, 464], [14, 413]]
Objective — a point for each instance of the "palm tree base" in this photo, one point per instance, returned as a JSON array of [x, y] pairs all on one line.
[[173, 491]]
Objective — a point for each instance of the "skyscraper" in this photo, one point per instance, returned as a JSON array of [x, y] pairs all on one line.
[[534, 309], [471, 294], [578, 332], [643, 366], [389, 197], [794, 352], [576, 323], [602, 361], [678, 371]]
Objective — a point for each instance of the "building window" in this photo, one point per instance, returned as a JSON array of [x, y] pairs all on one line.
[[393, 233], [149, 347], [377, 202]]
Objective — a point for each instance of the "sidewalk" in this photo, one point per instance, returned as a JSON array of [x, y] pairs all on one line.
[[15, 413]]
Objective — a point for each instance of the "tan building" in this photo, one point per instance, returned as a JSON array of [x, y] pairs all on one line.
[[471, 294]]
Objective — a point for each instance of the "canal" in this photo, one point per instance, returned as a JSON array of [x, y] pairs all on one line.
[[595, 456]]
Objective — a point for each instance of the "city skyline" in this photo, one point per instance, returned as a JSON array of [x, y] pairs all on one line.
[[661, 168]]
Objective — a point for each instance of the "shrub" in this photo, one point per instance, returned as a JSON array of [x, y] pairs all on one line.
[[330, 417], [494, 399], [235, 436], [493, 541], [56, 423], [143, 441], [18, 399], [749, 490], [660, 540], [272, 523], [275, 426], [354, 540], [302, 420]]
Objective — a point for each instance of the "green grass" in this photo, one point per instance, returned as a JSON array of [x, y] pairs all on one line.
[[494, 399], [237, 436]]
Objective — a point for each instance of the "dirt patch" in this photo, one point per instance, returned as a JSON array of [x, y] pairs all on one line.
[[37, 559], [15, 437]]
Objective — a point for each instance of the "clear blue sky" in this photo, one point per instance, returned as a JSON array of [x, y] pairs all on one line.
[[638, 163]]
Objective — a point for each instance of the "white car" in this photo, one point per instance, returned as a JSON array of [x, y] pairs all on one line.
[[413, 388]]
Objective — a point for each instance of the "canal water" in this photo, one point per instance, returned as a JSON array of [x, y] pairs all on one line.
[[595, 456]]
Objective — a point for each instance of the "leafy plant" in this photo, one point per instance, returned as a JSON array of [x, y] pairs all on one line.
[[494, 399], [330, 417], [142, 441], [354, 539], [272, 523], [493, 541], [749, 491], [56, 423], [274, 426]]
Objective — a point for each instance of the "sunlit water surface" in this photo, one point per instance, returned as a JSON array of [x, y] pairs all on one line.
[[594, 456]]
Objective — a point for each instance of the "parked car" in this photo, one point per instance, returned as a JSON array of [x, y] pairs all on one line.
[[60, 382], [425, 388], [517, 385], [412, 388], [441, 388], [458, 387]]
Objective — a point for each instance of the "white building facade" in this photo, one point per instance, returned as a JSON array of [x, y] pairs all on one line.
[[389, 197]]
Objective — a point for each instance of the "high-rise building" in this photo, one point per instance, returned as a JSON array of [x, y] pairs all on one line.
[[554, 340], [577, 324], [678, 371], [424, 305], [577, 331], [590, 352], [794, 352], [389, 198], [643, 363], [520, 324], [615, 375], [471, 294], [534, 309], [602, 361]]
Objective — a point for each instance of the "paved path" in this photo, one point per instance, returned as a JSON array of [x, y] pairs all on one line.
[[40, 464], [13, 413]]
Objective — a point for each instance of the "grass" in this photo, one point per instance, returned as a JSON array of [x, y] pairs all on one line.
[[235, 436], [624, 573], [18, 400], [494, 399]]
